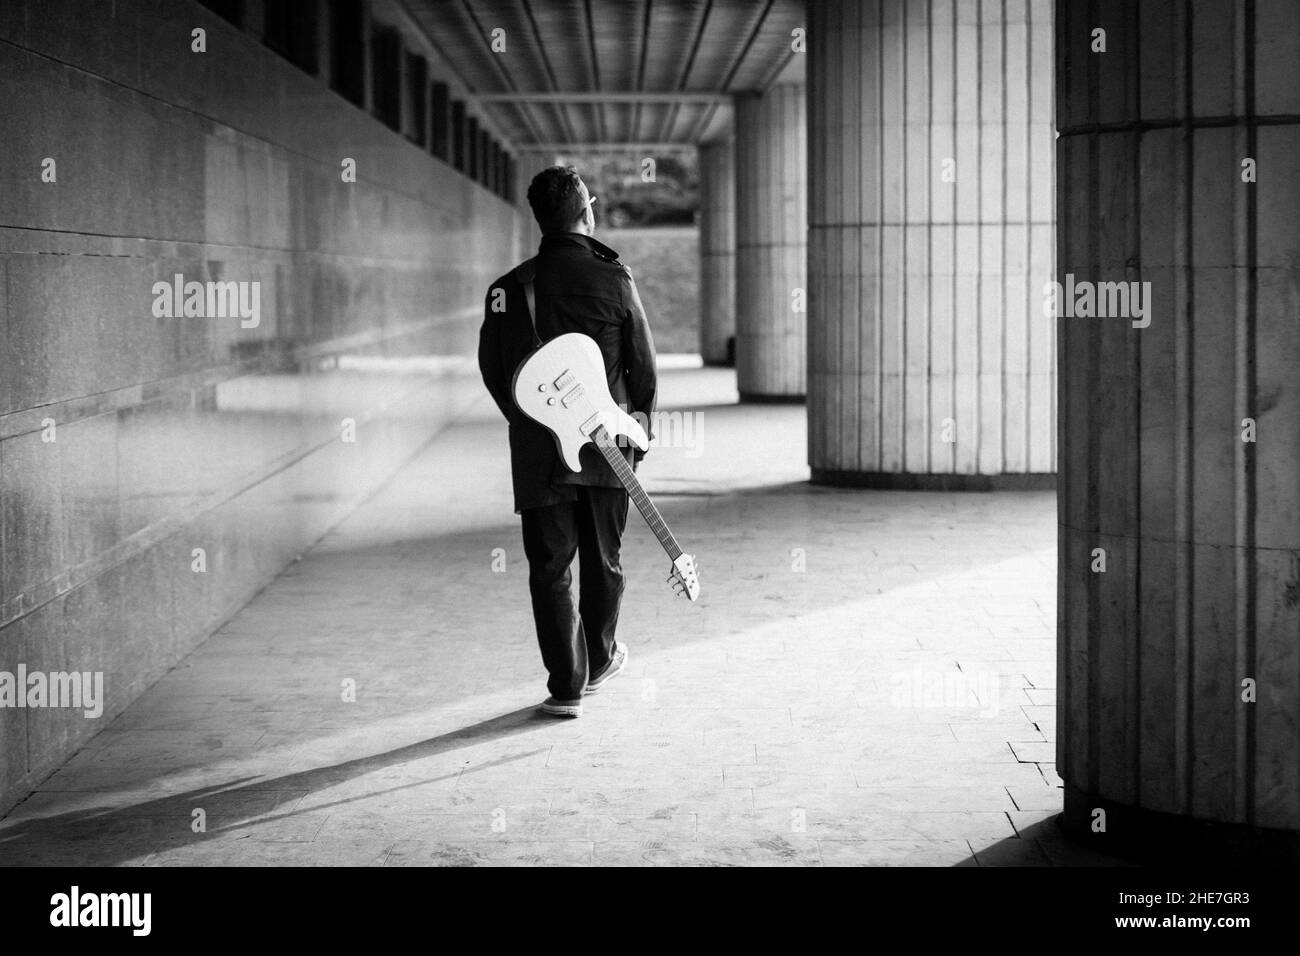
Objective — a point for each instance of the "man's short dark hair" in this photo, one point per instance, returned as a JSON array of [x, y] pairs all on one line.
[[555, 195]]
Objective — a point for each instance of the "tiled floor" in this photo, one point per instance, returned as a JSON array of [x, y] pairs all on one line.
[[868, 679]]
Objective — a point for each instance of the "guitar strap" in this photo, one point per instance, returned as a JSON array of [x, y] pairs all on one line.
[[525, 273]]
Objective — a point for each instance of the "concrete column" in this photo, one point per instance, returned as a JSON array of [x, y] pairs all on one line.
[[1179, 666], [528, 165], [717, 252], [931, 363], [771, 243]]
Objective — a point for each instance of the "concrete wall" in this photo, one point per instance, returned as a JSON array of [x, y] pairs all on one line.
[[127, 440], [1199, 529], [930, 237]]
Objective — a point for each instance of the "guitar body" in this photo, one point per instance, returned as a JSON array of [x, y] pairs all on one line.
[[562, 386]]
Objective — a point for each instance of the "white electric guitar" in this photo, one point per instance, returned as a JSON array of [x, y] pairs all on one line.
[[562, 386]]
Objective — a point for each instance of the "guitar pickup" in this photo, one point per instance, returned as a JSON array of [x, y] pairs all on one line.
[[590, 425], [571, 396], [564, 381]]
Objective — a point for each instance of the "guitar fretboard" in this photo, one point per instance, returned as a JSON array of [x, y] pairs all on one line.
[[614, 455]]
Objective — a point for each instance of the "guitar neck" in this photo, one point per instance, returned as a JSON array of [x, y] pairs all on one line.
[[614, 455]]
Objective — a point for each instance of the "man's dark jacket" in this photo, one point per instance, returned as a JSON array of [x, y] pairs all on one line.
[[580, 286]]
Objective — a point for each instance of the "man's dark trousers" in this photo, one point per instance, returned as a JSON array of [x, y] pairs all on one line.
[[576, 642]]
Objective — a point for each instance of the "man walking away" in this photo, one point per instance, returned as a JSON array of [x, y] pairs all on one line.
[[579, 286]]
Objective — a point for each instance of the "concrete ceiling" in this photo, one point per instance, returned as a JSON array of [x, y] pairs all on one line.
[[599, 73]]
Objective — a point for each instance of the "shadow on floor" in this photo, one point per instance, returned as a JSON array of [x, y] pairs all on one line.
[[162, 824], [1044, 843]]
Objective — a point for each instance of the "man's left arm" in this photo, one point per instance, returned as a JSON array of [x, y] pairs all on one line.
[[639, 358]]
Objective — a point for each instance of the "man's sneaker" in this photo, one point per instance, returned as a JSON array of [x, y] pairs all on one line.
[[562, 708], [610, 670]]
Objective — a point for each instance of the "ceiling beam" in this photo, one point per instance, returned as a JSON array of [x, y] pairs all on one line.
[[602, 97], [506, 80], [671, 114], [634, 126], [602, 125], [398, 14], [604, 147], [546, 65], [707, 119]]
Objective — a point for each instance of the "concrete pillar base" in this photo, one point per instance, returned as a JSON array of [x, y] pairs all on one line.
[[759, 399], [899, 481], [1141, 835]]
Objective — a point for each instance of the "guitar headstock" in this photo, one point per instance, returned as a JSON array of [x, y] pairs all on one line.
[[685, 576]]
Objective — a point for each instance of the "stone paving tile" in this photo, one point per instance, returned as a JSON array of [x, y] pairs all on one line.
[[247, 852], [1041, 696], [142, 779], [698, 800], [1016, 852], [161, 747], [479, 853], [1060, 851], [813, 777], [896, 853], [293, 827], [911, 772], [103, 849], [1032, 751], [1042, 714], [981, 826], [102, 840], [976, 731], [1050, 775], [890, 704], [988, 797], [1031, 798], [751, 850]]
